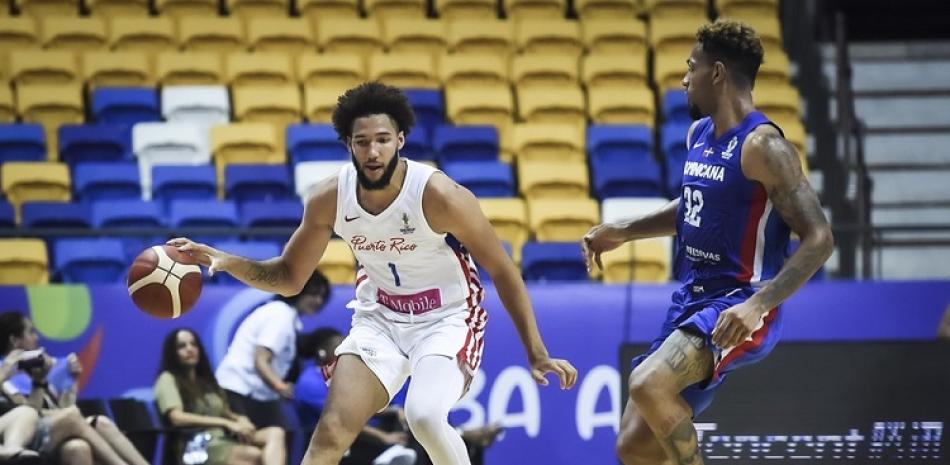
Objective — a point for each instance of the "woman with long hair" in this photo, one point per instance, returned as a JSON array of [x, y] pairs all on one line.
[[189, 397]]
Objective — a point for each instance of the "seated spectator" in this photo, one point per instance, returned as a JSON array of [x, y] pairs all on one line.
[[189, 397], [943, 331], [61, 432]]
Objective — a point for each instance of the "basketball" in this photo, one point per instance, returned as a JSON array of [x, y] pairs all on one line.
[[164, 282]]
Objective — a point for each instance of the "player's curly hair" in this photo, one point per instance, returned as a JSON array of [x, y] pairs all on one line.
[[372, 98], [735, 44]]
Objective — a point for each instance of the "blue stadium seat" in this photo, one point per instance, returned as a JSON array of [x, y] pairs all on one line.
[[173, 182], [7, 215], [101, 181], [80, 143], [417, 145], [675, 107], [125, 214], [125, 105], [56, 215], [636, 177], [618, 142], [673, 144], [278, 214], [256, 250], [428, 107], [258, 182], [22, 142], [465, 143], [90, 260], [190, 213], [553, 261], [483, 178], [314, 142]]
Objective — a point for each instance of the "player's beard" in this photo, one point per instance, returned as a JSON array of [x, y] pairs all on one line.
[[383, 181]]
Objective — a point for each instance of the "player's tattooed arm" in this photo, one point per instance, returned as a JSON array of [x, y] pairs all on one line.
[[774, 162]]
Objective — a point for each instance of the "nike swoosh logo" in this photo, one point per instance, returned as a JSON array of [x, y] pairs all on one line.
[[348, 219], [698, 145]]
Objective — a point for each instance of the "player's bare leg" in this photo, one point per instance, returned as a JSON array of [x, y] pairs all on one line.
[[655, 385], [355, 396], [636, 443]]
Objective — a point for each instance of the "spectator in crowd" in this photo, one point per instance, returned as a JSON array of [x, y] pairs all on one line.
[[943, 331], [61, 431], [18, 423], [264, 347], [188, 396]]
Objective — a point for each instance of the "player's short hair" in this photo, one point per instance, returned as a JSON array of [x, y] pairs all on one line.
[[735, 44], [372, 98]]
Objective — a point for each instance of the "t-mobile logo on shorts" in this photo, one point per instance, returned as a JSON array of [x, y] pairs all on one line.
[[422, 302]]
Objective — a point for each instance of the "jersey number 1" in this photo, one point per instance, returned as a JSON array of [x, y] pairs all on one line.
[[694, 203], [392, 267]]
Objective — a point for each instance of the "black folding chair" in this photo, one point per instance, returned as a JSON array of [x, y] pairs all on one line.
[[134, 419]]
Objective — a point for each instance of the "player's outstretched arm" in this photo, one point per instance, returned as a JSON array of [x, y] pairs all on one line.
[[608, 236], [451, 208], [286, 274], [771, 160]]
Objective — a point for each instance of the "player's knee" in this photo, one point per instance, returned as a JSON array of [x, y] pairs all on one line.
[[424, 421], [645, 384], [330, 430], [632, 449]]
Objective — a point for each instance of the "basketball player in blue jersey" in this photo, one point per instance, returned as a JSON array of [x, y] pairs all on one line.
[[418, 308], [743, 190]]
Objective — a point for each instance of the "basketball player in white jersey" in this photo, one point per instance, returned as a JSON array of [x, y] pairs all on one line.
[[418, 296]]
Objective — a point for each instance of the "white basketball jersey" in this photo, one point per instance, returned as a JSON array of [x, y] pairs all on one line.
[[407, 270]]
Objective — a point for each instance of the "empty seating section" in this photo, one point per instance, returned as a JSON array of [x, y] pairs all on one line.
[[217, 114]]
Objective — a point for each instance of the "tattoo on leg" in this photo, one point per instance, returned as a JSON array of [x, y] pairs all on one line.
[[681, 363], [682, 445]]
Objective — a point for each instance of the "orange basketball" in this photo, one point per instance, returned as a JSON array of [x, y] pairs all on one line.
[[164, 282]]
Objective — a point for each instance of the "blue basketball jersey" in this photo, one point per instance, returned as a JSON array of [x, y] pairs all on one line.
[[727, 232]]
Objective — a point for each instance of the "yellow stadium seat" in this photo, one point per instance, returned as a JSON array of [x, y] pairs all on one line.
[[406, 70], [347, 35], [775, 68], [674, 35], [609, 105], [467, 9], [777, 100], [397, 8], [23, 262], [212, 34], [72, 33], [509, 218], [588, 10], [556, 104], [546, 179], [518, 10], [314, 10], [614, 35], [35, 182], [242, 69], [768, 28], [473, 70], [414, 35], [118, 8], [245, 143], [18, 33], [744, 8], [645, 260], [189, 68], [481, 36], [116, 69], [543, 142], [675, 8], [183, 8], [562, 220], [151, 35], [51, 105], [43, 67], [794, 132], [490, 104], [320, 100], [562, 37], [279, 105], [669, 71], [335, 69], [44, 8], [338, 263], [249, 9], [605, 70], [7, 108], [286, 35], [544, 70]]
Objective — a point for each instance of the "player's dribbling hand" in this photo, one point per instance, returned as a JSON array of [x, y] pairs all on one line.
[[600, 239], [206, 256], [565, 372], [736, 324]]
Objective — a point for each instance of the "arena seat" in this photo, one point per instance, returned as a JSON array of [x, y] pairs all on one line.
[[468, 9], [349, 35], [23, 262], [562, 37], [509, 218], [314, 142], [428, 105], [94, 181], [143, 34], [317, 9], [43, 67], [481, 36], [518, 10], [245, 143], [675, 8], [608, 105], [116, 69], [203, 105], [189, 68], [395, 8], [125, 105], [44, 214], [404, 69], [309, 173], [548, 142], [291, 36], [473, 69], [635, 176], [465, 143], [553, 261], [22, 142], [211, 34], [248, 9], [118, 8], [278, 105], [340, 70], [562, 219], [619, 142], [178, 182], [539, 70], [559, 104], [338, 263], [257, 182], [35, 182], [185, 8], [19, 33], [605, 70], [646, 260], [90, 261], [414, 35], [590, 10], [73, 33], [258, 69], [552, 179], [483, 178]]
